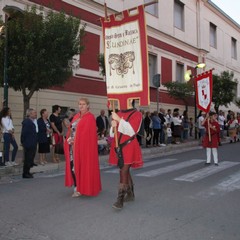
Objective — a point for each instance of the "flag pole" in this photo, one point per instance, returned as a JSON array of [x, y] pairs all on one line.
[[111, 101], [131, 9]]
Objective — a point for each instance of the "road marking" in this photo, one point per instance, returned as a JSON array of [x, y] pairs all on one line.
[[160, 171], [105, 167], [205, 172], [147, 164], [231, 184], [49, 175]]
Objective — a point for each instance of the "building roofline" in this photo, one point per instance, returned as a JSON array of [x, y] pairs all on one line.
[[223, 13]]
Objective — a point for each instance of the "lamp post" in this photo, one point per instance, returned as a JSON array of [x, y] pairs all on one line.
[[156, 83], [188, 76], [11, 12]]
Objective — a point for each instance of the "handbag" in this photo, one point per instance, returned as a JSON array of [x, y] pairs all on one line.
[[59, 149]]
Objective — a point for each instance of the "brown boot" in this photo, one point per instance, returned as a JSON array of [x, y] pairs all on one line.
[[121, 193], [129, 196]]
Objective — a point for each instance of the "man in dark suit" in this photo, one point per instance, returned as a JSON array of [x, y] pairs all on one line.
[[102, 123], [29, 141]]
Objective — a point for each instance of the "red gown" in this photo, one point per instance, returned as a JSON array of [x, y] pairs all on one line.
[[85, 155], [131, 152], [214, 143]]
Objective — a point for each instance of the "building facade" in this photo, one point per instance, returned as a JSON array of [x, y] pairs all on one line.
[[181, 33]]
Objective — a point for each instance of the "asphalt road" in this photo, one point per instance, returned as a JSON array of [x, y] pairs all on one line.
[[177, 198]]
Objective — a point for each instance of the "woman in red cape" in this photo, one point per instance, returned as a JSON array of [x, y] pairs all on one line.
[[81, 153]]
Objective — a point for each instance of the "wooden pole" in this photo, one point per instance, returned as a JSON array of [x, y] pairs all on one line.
[[145, 5], [209, 132], [131, 9], [114, 128], [105, 10], [112, 101]]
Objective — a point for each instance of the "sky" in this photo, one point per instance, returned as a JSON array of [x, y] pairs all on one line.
[[230, 7]]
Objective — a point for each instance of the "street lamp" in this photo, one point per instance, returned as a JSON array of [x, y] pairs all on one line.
[[188, 76], [11, 12], [156, 83]]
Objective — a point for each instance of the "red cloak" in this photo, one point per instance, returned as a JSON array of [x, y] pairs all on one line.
[[131, 152], [214, 143], [85, 155]]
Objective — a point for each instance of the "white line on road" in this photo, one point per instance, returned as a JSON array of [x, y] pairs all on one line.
[[205, 172], [148, 164], [159, 171], [233, 183]]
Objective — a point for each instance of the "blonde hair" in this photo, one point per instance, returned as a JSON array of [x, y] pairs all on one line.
[[86, 101]]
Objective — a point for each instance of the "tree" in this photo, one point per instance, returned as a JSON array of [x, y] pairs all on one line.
[[180, 90], [237, 102], [40, 47], [101, 63], [224, 89]]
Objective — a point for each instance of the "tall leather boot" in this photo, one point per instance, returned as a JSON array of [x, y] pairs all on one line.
[[121, 193], [129, 196]]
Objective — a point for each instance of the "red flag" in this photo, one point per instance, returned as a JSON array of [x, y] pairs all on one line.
[[126, 57], [203, 88]]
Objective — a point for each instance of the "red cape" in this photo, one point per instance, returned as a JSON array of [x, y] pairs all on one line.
[[214, 143], [132, 153], [86, 163]]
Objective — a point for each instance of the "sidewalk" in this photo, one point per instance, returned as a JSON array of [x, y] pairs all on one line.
[[6, 172]]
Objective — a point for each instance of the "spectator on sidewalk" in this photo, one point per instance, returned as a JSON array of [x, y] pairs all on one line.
[[177, 129], [169, 133], [148, 128], [44, 136], [67, 121], [221, 122], [156, 128], [168, 116], [29, 141], [8, 136], [201, 127], [232, 125], [140, 133], [102, 123], [238, 129], [190, 126], [185, 125], [56, 124], [162, 130]]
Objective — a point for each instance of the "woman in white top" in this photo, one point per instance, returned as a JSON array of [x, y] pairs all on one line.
[[8, 136]]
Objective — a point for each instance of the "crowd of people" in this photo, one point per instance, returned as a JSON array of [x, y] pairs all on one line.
[[163, 128], [159, 129], [81, 138]]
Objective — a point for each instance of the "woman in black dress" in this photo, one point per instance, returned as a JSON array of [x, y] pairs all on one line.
[[44, 136]]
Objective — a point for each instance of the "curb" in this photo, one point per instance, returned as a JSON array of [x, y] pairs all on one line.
[[51, 168]]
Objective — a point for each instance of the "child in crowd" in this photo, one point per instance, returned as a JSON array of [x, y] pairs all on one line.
[[169, 133], [190, 126]]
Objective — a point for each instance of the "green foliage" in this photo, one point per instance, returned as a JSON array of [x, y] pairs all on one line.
[[237, 102], [180, 90], [40, 47], [101, 63], [224, 89]]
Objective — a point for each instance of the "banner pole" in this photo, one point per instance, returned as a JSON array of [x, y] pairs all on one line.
[[105, 10], [114, 128], [131, 9], [209, 133]]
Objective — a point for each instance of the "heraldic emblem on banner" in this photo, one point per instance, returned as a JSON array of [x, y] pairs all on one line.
[[126, 57], [204, 91]]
